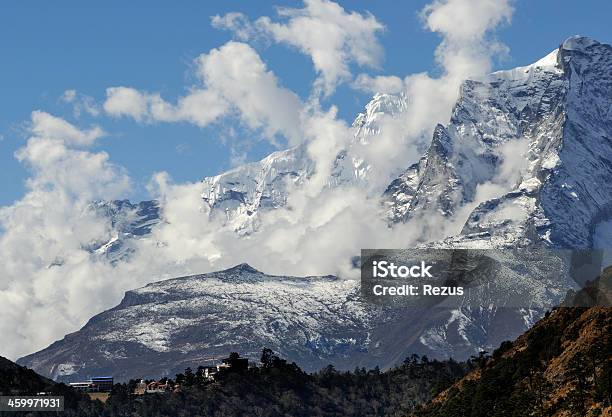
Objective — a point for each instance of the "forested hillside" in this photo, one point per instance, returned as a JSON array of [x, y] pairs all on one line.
[[560, 367]]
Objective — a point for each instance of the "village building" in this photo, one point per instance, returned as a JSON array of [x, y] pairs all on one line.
[[153, 387], [235, 363], [95, 384], [141, 388], [210, 372]]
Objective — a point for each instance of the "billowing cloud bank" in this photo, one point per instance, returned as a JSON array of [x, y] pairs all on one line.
[[50, 283]]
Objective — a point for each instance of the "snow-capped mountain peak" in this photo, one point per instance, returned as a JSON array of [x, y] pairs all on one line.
[[552, 116], [381, 106]]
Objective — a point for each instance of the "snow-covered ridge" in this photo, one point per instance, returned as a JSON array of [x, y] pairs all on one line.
[[550, 106], [521, 146], [527, 103], [381, 105], [545, 108], [163, 327], [237, 196], [549, 63]]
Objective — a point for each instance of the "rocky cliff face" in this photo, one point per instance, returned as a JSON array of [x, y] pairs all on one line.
[[557, 112]]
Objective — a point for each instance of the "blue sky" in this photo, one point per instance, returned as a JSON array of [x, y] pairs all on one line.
[[50, 48]]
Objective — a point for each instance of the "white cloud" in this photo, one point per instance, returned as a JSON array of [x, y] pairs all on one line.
[[465, 21], [332, 37], [68, 96], [54, 128], [80, 103], [236, 22], [50, 226], [124, 101], [234, 81], [200, 107], [236, 72], [466, 51], [385, 84]]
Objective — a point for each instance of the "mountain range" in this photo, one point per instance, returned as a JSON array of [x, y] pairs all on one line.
[[525, 160]]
